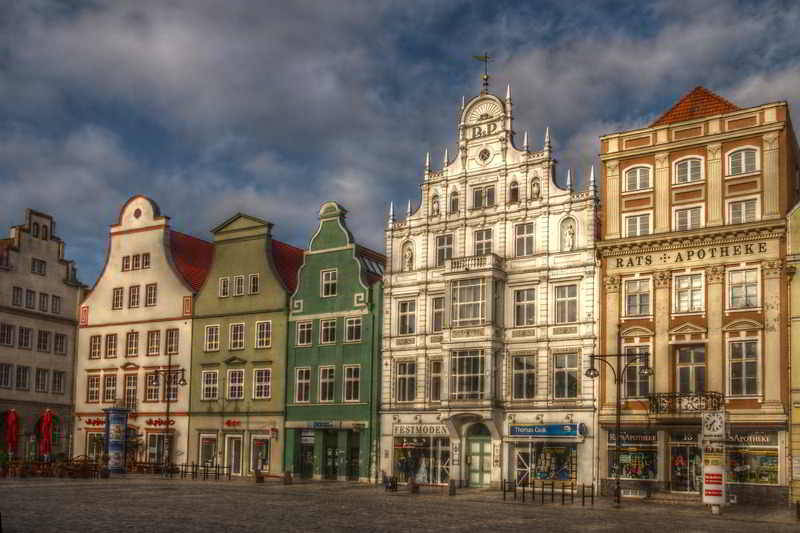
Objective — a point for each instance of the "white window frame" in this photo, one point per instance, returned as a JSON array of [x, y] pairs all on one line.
[[528, 308], [302, 383], [686, 207], [526, 238], [443, 245], [131, 391], [153, 348], [209, 389], [328, 282], [435, 376], [404, 378], [481, 244], [324, 326], [634, 350], [729, 287], [224, 287], [758, 360], [41, 380], [172, 341], [349, 378], [260, 341], [626, 215], [638, 168], [437, 311], [238, 345], [152, 387], [302, 331], [238, 285], [251, 279], [266, 385], [686, 158], [6, 375], [729, 161], [109, 390], [567, 370], [95, 346], [150, 294], [675, 289], [625, 293], [407, 319], [239, 386], [132, 344], [329, 381], [93, 386], [566, 300], [458, 307], [110, 346], [527, 373], [356, 324], [211, 344], [466, 381], [729, 208]]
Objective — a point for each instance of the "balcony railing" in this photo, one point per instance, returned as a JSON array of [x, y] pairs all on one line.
[[677, 403], [474, 262]]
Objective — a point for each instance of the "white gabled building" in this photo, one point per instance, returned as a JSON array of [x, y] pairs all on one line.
[[489, 316], [135, 323]]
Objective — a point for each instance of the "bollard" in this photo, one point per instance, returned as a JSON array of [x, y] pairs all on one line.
[[523, 493], [552, 492], [542, 491], [503, 485], [451, 487], [592, 495]]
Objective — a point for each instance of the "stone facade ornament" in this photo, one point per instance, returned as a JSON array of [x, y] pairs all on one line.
[[535, 189], [715, 274], [663, 279], [770, 141], [773, 268], [408, 257], [567, 235], [611, 283]]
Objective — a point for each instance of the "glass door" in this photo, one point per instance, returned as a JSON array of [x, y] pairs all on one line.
[[233, 454], [480, 462], [686, 469]]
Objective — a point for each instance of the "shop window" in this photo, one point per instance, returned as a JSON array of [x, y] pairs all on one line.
[[466, 375], [752, 457], [259, 453], [691, 369], [523, 239], [95, 447], [208, 450], [523, 370], [542, 461], [637, 297], [444, 249], [423, 459], [468, 297], [638, 456], [157, 446]]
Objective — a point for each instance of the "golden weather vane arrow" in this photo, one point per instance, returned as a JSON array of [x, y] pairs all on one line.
[[485, 59]]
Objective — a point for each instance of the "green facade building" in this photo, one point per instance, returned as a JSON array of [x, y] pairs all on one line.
[[239, 341], [333, 356]]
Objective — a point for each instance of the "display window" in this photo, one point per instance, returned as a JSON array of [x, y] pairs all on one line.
[[545, 461], [208, 450], [635, 462], [425, 459], [259, 460], [752, 457]]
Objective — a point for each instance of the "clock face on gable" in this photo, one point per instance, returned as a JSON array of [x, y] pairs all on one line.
[[713, 423]]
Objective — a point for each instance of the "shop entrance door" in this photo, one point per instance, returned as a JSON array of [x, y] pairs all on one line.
[[233, 454], [686, 469], [479, 446], [331, 459], [306, 460]]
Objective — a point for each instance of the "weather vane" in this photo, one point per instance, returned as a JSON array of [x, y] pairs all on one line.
[[485, 58]]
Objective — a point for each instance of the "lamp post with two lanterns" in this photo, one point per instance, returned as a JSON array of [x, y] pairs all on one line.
[[169, 374], [644, 371]]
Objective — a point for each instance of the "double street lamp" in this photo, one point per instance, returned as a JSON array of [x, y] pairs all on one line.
[[644, 371], [169, 375]]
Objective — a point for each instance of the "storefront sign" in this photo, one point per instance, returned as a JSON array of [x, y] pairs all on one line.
[[420, 430], [306, 437], [548, 430], [682, 436], [713, 474], [633, 438], [692, 254], [753, 438], [322, 424]]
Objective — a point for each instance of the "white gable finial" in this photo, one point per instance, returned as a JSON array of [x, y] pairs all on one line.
[[508, 92], [463, 102], [409, 208], [391, 211], [445, 160], [569, 179], [525, 141], [591, 179], [547, 138], [428, 161]]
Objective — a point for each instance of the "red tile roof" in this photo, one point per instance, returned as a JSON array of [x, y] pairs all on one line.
[[700, 102], [192, 256], [288, 260]]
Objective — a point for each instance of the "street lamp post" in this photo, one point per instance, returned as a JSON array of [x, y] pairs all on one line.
[[592, 373], [168, 375]]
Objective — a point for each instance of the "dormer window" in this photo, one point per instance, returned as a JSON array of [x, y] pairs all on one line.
[[689, 170], [513, 192], [637, 178]]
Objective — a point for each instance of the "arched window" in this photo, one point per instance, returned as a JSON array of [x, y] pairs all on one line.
[[637, 178], [513, 192], [44, 232], [689, 170], [454, 202], [35, 229], [435, 205], [742, 161]]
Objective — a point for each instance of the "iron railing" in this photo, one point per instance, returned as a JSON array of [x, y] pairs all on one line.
[[677, 403]]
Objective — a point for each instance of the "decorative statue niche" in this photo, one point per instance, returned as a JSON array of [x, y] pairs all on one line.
[[567, 234], [535, 189], [408, 257], [435, 206]]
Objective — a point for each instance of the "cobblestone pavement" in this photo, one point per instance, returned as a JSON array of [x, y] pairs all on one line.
[[146, 504]]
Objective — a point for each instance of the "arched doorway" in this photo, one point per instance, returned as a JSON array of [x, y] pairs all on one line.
[[479, 455]]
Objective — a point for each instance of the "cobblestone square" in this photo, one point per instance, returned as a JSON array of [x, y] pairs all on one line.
[[154, 504]]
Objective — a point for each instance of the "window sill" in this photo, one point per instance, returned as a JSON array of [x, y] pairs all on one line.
[[743, 175], [637, 191], [744, 310], [688, 183], [688, 313], [637, 317], [352, 342]]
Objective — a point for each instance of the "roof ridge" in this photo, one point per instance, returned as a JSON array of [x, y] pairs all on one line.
[[190, 236]]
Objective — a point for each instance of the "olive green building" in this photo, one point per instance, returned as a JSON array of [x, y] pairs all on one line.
[[333, 356], [239, 349]]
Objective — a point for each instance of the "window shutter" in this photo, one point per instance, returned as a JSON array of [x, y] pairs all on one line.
[[736, 213], [632, 223], [644, 181], [695, 214], [644, 224], [736, 163], [749, 210], [749, 160], [631, 179], [683, 172], [695, 166]]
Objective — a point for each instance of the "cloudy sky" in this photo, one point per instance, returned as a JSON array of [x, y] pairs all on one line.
[[272, 107]]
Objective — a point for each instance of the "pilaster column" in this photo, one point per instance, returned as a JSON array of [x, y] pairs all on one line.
[[771, 352], [662, 192], [661, 364], [612, 336], [612, 199], [714, 180], [770, 175], [715, 347]]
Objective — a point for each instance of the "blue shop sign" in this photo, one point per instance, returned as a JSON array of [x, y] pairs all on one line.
[[548, 430], [326, 424]]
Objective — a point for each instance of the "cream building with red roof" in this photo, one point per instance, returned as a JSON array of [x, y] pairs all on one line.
[[134, 326]]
